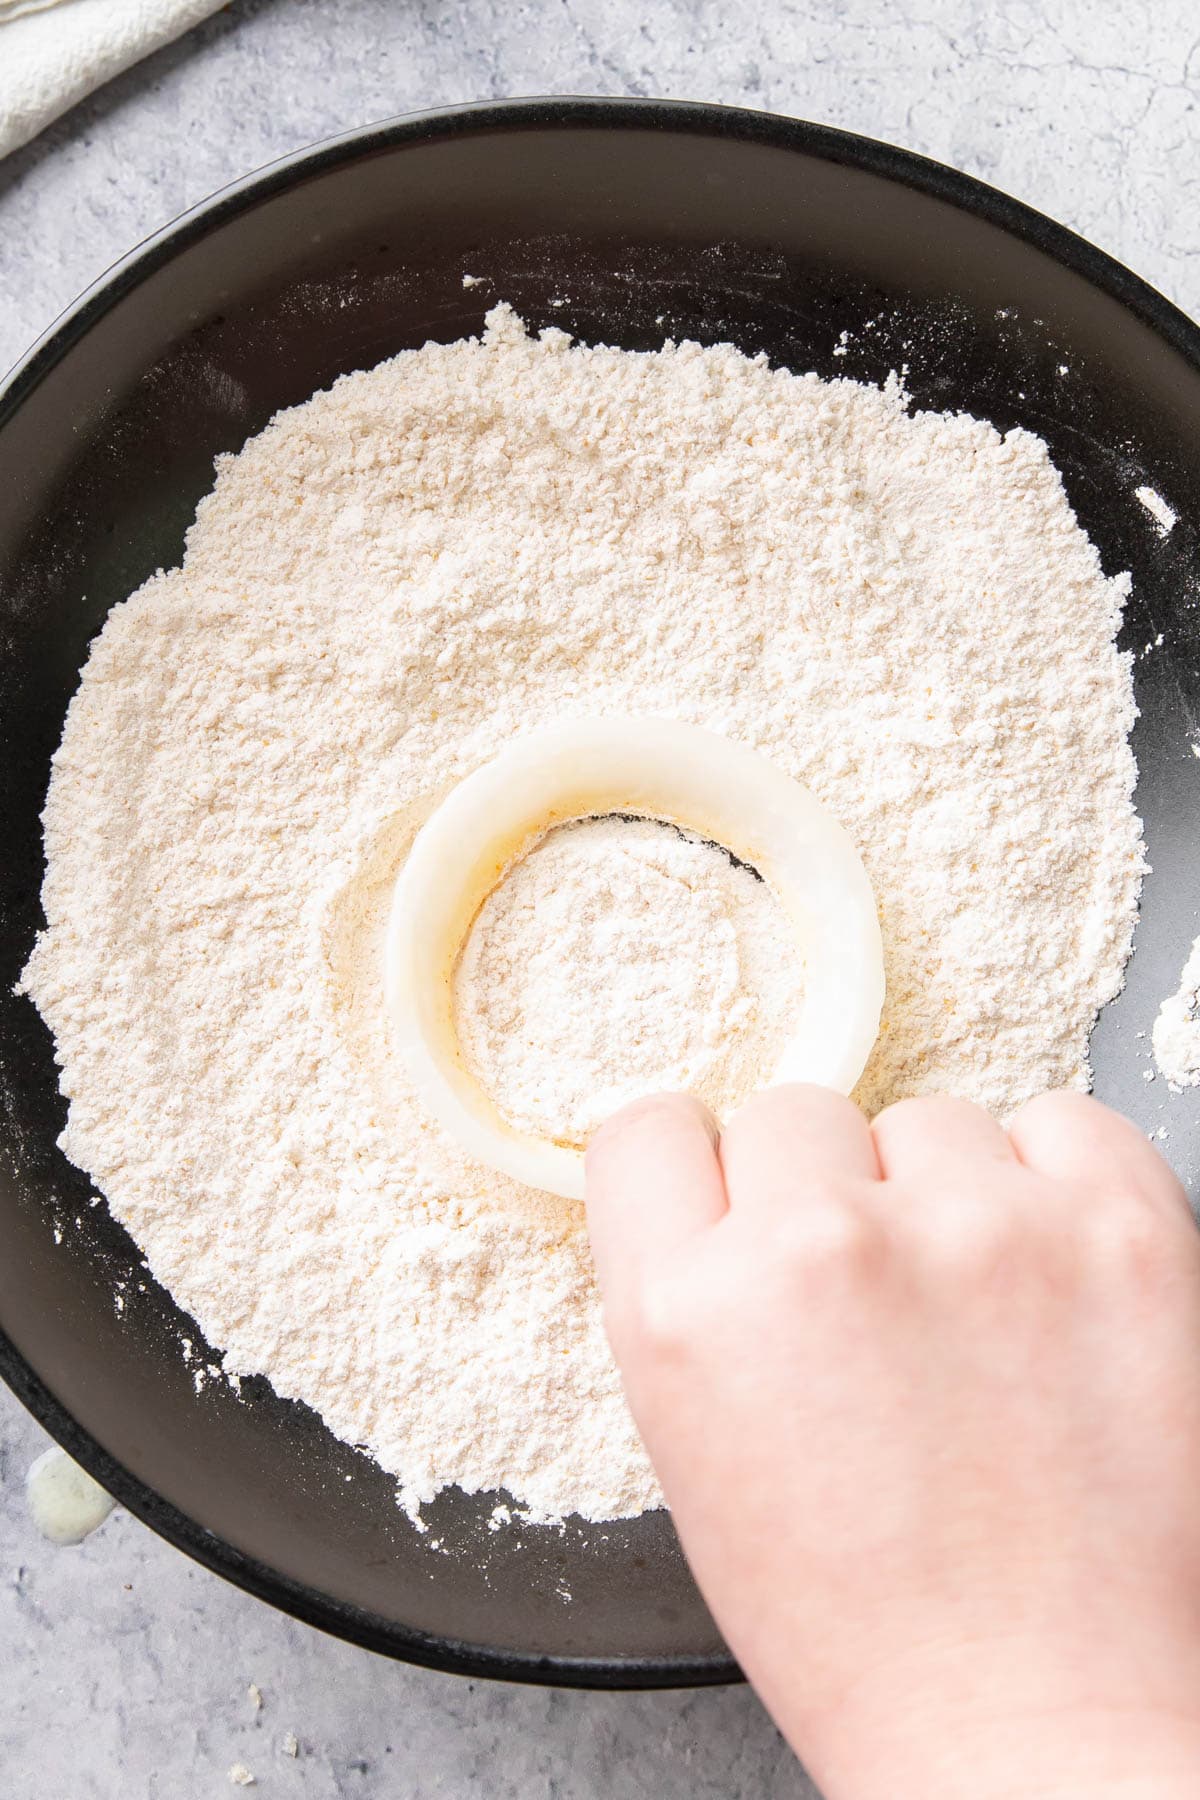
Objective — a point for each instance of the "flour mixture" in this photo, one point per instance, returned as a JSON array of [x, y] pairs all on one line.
[[385, 587], [620, 958]]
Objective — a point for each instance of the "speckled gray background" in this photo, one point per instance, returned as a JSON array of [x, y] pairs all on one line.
[[125, 1669]]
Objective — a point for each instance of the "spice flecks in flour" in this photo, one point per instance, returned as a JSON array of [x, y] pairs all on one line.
[[385, 586]]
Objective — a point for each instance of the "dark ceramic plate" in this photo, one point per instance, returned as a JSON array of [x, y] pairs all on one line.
[[622, 221]]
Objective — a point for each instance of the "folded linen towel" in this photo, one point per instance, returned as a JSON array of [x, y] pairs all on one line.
[[53, 52]]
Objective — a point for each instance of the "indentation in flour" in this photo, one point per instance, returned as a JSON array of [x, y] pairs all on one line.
[[351, 926]]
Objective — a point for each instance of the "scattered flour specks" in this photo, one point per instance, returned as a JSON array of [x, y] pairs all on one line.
[[385, 587], [1164, 517]]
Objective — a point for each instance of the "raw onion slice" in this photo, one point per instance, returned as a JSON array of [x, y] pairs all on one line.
[[657, 769]]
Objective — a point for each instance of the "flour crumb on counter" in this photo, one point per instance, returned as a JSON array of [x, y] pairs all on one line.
[[254, 1695], [291, 1744], [240, 1776], [1177, 1028], [65, 1503]]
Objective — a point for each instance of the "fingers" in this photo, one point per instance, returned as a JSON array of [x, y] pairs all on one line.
[[923, 1138], [657, 1174], [652, 1179], [1072, 1137], [786, 1142]]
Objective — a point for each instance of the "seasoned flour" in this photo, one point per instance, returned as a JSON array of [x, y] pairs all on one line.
[[620, 958], [387, 585]]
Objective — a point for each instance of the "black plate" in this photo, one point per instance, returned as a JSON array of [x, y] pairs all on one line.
[[622, 221]]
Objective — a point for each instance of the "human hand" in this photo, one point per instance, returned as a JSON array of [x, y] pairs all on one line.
[[924, 1399]]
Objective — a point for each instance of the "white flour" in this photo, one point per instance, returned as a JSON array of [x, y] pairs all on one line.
[[620, 958], [386, 586], [1165, 518], [1176, 1036]]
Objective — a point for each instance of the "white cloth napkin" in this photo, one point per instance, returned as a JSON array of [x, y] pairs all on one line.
[[53, 52]]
